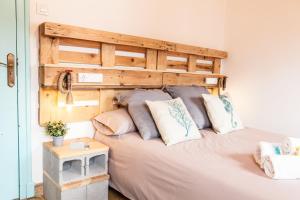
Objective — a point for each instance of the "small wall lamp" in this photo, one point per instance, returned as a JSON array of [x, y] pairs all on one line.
[[65, 86]]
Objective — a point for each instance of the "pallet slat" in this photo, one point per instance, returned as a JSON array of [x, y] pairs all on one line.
[[67, 31], [108, 55], [123, 78], [151, 59], [130, 61]]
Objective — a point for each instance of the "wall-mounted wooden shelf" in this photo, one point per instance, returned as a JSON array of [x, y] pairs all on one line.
[[124, 61]]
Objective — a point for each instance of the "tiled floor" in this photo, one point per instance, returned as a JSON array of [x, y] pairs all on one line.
[[112, 194]]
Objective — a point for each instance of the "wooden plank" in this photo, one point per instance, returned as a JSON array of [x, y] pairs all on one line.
[[173, 64], [79, 57], [67, 31], [48, 49], [107, 100], [216, 69], [204, 67], [188, 79], [130, 61], [64, 151], [177, 54], [192, 63], [84, 182], [49, 76], [151, 59], [217, 66], [108, 55], [50, 109], [79, 43], [111, 77], [130, 77], [161, 60], [130, 48]]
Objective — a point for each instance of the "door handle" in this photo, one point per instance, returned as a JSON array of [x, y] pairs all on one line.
[[10, 69]]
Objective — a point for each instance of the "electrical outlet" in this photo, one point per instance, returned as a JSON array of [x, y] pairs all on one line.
[[211, 81], [42, 8], [90, 78]]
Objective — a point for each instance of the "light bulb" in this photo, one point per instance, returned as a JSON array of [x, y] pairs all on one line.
[[69, 107]]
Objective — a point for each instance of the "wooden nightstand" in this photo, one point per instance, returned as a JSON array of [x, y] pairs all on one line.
[[75, 171]]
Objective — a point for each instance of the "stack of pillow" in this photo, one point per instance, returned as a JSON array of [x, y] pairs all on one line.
[[175, 114]]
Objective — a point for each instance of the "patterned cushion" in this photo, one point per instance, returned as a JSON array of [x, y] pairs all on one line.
[[173, 121], [222, 114]]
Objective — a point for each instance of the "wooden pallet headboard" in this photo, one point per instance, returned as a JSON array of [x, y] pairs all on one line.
[[124, 61]]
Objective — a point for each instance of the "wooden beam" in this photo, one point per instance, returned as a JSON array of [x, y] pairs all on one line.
[[217, 66], [79, 43], [111, 77], [108, 55], [216, 69], [173, 64], [130, 61], [78, 57], [48, 49], [151, 59], [188, 79], [192, 63], [161, 60], [115, 78], [67, 31]]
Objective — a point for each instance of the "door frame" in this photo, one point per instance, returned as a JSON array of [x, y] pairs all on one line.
[[26, 188]]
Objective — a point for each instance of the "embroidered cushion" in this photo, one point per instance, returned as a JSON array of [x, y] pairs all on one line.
[[222, 114], [173, 121]]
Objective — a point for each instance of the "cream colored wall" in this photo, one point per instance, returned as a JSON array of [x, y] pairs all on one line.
[[195, 22], [263, 41]]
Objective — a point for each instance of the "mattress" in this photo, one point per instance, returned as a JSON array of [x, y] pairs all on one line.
[[214, 167]]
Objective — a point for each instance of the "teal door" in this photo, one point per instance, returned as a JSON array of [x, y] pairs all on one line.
[[9, 146]]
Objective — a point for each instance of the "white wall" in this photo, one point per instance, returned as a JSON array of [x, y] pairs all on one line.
[[263, 41], [195, 22]]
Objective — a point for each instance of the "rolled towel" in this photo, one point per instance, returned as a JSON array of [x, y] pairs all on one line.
[[282, 166], [264, 149], [291, 146]]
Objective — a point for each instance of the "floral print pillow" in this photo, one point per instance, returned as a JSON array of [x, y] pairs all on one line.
[[173, 121]]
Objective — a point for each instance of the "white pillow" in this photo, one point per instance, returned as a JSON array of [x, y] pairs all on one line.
[[221, 113], [173, 121]]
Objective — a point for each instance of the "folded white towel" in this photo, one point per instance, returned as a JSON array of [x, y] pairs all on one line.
[[282, 166], [291, 146], [264, 149]]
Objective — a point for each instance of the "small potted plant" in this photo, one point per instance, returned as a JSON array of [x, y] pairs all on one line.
[[57, 130]]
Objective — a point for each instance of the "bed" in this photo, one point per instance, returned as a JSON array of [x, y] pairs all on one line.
[[214, 167]]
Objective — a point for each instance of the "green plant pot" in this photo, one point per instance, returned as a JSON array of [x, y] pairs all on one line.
[[58, 141]]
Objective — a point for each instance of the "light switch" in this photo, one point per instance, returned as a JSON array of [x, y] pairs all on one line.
[[90, 78], [42, 8], [211, 81]]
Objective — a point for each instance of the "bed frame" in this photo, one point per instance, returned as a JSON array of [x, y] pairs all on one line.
[[125, 62]]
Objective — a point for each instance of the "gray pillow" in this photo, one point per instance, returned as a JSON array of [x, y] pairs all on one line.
[[139, 111], [192, 98]]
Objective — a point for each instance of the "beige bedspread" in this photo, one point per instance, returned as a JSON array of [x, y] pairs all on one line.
[[212, 168]]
